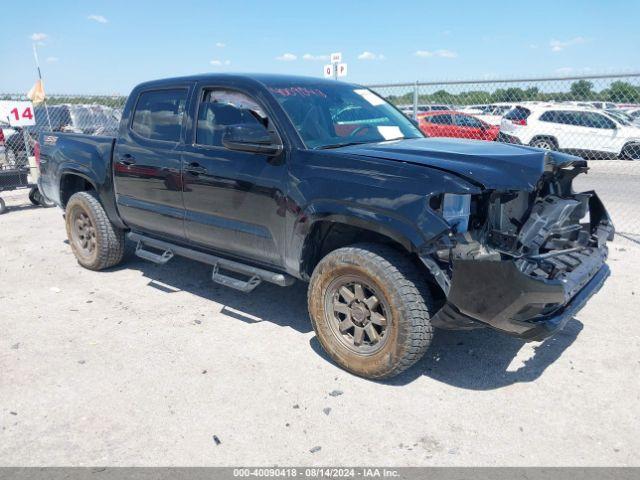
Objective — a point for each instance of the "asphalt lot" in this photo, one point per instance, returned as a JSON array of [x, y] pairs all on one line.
[[143, 365]]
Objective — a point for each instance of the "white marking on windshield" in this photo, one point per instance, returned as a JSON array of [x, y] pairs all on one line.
[[390, 132], [370, 97]]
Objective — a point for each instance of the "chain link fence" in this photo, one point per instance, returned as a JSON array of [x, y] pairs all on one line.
[[596, 117], [89, 114]]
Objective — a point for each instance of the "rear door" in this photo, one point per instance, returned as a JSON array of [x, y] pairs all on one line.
[[147, 162], [600, 133]]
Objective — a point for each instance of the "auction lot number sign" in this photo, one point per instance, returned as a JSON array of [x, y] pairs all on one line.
[[17, 113]]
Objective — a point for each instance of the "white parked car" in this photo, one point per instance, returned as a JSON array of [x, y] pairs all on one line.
[[633, 112], [598, 105], [587, 132], [408, 109], [491, 113]]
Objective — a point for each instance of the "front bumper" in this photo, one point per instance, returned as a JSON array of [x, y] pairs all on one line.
[[498, 294]]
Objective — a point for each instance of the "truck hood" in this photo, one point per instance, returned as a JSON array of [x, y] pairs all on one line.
[[492, 165]]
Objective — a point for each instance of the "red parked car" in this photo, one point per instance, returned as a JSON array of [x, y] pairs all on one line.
[[449, 123]]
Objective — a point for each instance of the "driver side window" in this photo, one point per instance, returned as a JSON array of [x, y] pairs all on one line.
[[219, 109]]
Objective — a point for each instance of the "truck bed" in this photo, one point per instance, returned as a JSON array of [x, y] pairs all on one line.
[[88, 155]]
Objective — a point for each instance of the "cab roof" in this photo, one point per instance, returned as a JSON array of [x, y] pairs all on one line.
[[266, 79]]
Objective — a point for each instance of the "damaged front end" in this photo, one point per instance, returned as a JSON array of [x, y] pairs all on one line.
[[523, 262]]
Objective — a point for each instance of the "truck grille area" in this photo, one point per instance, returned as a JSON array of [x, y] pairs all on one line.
[[530, 262]]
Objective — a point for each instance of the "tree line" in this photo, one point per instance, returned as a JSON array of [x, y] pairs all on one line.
[[580, 90]]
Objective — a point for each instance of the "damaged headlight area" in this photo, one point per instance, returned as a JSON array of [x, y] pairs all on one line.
[[455, 210], [519, 261]]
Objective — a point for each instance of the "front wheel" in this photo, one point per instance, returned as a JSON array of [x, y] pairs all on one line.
[[95, 241], [545, 143], [370, 309]]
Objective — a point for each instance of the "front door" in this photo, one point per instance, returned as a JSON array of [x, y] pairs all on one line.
[[233, 200], [147, 163]]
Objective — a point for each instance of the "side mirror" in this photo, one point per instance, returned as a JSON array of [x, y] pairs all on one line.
[[252, 138]]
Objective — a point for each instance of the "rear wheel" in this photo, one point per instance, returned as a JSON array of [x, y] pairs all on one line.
[[544, 142], [94, 240], [3, 206], [370, 309]]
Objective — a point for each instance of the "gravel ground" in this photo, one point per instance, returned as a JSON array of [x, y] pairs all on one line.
[[148, 365]]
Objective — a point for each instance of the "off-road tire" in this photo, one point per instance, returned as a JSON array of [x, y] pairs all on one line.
[[404, 288], [3, 206], [109, 240]]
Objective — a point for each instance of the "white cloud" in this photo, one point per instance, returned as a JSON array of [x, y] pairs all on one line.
[[287, 57], [370, 56], [39, 38], [309, 57], [221, 44], [559, 45], [436, 53], [220, 63], [52, 59], [98, 18]]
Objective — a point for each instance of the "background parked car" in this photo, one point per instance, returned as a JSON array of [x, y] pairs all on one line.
[[12, 142], [587, 132], [490, 113], [623, 117], [408, 109], [449, 123], [89, 119], [633, 112]]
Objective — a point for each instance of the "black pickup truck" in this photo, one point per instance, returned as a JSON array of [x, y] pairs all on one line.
[[276, 178]]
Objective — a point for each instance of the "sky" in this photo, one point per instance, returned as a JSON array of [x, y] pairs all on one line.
[[107, 47]]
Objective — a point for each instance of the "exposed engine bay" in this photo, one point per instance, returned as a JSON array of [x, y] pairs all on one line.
[[523, 255]]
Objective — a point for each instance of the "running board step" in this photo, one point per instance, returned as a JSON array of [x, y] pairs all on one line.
[[256, 275], [160, 259], [235, 283]]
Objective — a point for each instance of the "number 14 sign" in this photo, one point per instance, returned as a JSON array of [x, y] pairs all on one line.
[[17, 113]]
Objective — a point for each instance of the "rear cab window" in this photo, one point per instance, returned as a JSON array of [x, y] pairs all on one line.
[[158, 114]]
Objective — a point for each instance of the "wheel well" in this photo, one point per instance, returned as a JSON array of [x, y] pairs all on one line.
[[550, 138], [626, 151], [70, 184], [326, 236]]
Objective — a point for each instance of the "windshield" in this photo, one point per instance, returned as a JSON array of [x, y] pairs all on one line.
[[333, 115]]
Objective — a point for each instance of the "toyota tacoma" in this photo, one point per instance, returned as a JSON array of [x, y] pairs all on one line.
[[272, 178]]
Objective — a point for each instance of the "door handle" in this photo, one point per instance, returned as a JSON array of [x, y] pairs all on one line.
[[127, 160], [195, 169]]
